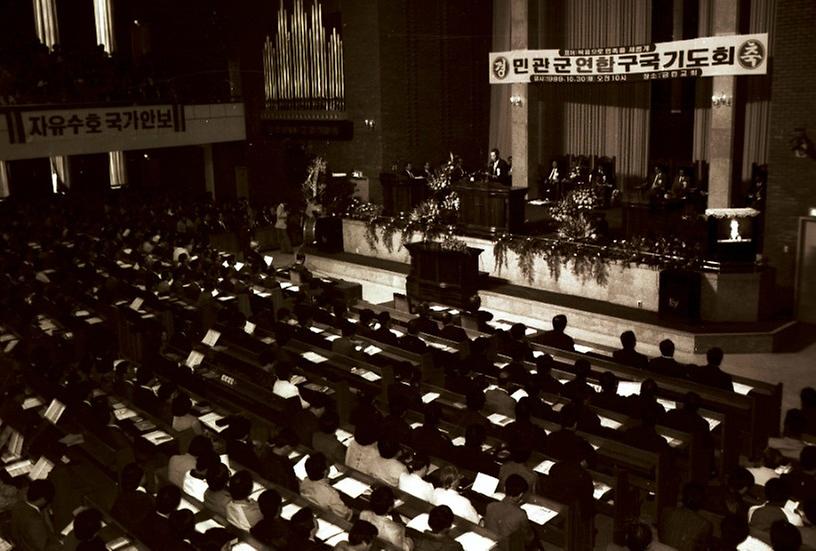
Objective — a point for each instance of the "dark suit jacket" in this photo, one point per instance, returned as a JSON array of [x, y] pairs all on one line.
[[131, 508], [427, 325], [279, 469], [155, 531], [31, 529], [557, 339], [684, 530], [666, 366], [567, 446], [244, 454], [631, 358], [453, 333], [711, 376], [412, 344], [273, 532]]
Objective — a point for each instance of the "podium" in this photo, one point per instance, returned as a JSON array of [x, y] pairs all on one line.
[[441, 275], [401, 194], [491, 207]]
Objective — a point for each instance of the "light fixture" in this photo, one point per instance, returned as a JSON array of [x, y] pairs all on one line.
[[812, 212], [370, 124], [721, 100], [516, 101]]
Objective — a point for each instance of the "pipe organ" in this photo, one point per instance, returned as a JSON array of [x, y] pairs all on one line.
[[303, 63]]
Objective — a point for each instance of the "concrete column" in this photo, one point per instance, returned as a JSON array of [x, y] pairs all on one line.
[[209, 170], [522, 118], [725, 21], [4, 182]]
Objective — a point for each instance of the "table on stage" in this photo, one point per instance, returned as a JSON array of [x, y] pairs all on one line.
[[489, 206]]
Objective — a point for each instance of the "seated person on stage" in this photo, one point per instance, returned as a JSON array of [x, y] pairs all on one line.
[[551, 182], [666, 364], [657, 186], [681, 187], [317, 488], [627, 354], [409, 171], [427, 171], [556, 337], [497, 168]]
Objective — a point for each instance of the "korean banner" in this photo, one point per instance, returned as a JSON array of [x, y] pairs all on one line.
[[745, 54], [69, 124]]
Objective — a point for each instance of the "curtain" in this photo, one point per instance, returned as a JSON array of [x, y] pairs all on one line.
[[608, 119], [703, 90], [758, 94], [500, 134]]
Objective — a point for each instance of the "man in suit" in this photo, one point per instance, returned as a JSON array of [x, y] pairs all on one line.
[[497, 168], [557, 338], [684, 528], [424, 321], [411, 340], [627, 354], [506, 517], [711, 374], [666, 364], [32, 528], [450, 331], [156, 530]]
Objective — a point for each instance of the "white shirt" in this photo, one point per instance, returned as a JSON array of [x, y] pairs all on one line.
[[285, 389], [414, 485], [178, 467], [763, 475], [243, 514], [362, 458], [388, 530], [460, 505], [388, 470]]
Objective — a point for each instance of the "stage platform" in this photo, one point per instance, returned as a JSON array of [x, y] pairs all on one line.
[[591, 322]]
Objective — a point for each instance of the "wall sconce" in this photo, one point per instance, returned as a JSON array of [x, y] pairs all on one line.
[[371, 124], [721, 100], [516, 101]]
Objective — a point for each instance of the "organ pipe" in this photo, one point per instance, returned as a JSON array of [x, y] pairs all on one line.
[[303, 63]]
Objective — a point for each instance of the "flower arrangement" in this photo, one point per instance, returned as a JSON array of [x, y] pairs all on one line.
[[433, 219], [590, 260]]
